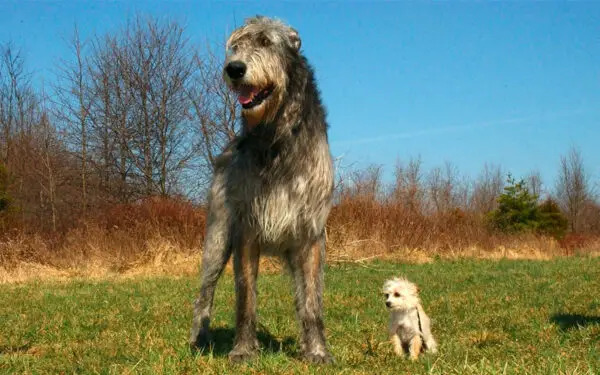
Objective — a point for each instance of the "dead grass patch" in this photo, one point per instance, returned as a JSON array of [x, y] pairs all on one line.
[[162, 237]]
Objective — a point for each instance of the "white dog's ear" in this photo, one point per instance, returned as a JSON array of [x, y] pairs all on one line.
[[418, 290]]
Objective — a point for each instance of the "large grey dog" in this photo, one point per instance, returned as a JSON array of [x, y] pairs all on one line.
[[272, 187]]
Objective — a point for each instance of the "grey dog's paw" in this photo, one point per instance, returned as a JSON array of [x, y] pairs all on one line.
[[238, 355], [319, 357]]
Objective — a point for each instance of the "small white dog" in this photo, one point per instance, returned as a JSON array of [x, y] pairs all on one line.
[[410, 327]]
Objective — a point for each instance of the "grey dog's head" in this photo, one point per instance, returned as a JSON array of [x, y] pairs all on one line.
[[260, 54]]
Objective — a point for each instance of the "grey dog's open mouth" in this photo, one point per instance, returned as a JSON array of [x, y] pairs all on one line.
[[250, 96]]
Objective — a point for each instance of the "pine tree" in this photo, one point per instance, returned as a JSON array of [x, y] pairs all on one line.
[[518, 211], [517, 208], [551, 219]]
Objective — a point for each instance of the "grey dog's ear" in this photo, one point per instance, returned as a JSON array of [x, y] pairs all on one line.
[[295, 41]]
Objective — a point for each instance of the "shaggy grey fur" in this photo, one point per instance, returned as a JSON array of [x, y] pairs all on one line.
[[272, 187]]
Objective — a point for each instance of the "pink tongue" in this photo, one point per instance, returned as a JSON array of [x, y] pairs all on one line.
[[244, 99], [245, 95]]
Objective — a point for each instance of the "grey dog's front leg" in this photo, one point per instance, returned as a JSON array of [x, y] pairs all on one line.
[[245, 263], [214, 259], [215, 255]]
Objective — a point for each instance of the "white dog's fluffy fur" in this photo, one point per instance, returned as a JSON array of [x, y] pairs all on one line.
[[409, 327]]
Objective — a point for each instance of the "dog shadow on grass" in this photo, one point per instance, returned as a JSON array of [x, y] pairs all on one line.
[[570, 321], [221, 343], [8, 349]]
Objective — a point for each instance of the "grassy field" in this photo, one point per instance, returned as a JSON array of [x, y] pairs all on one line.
[[490, 317]]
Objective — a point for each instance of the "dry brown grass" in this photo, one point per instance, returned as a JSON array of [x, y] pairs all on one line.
[[365, 229], [163, 237]]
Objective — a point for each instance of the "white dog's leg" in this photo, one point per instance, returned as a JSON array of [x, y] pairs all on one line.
[[428, 339], [416, 343], [397, 344]]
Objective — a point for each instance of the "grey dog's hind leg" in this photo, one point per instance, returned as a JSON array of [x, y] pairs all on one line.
[[306, 266]]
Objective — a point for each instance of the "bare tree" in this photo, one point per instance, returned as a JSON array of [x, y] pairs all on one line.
[[47, 170], [156, 66], [442, 187], [32, 151], [573, 187], [113, 116], [135, 112], [17, 99], [364, 183], [129, 97], [408, 188], [214, 110], [488, 186], [590, 217], [534, 183], [121, 124], [73, 101], [18, 122], [103, 137]]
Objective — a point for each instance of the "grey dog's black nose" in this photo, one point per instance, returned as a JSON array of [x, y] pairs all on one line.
[[236, 69], [388, 304]]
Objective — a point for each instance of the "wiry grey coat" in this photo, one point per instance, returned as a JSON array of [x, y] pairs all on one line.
[[271, 193]]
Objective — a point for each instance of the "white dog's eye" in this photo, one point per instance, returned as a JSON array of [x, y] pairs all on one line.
[[386, 295], [396, 294]]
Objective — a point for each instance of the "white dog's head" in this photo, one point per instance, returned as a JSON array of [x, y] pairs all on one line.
[[400, 294]]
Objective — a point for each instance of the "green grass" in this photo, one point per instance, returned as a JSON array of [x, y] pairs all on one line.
[[490, 317]]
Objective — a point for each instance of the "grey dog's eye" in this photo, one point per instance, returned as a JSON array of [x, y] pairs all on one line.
[[264, 41]]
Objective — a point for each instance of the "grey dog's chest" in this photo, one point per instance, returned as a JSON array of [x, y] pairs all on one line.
[[278, 195], [256, 174]]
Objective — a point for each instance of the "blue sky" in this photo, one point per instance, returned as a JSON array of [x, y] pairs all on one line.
[[512, 83]]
